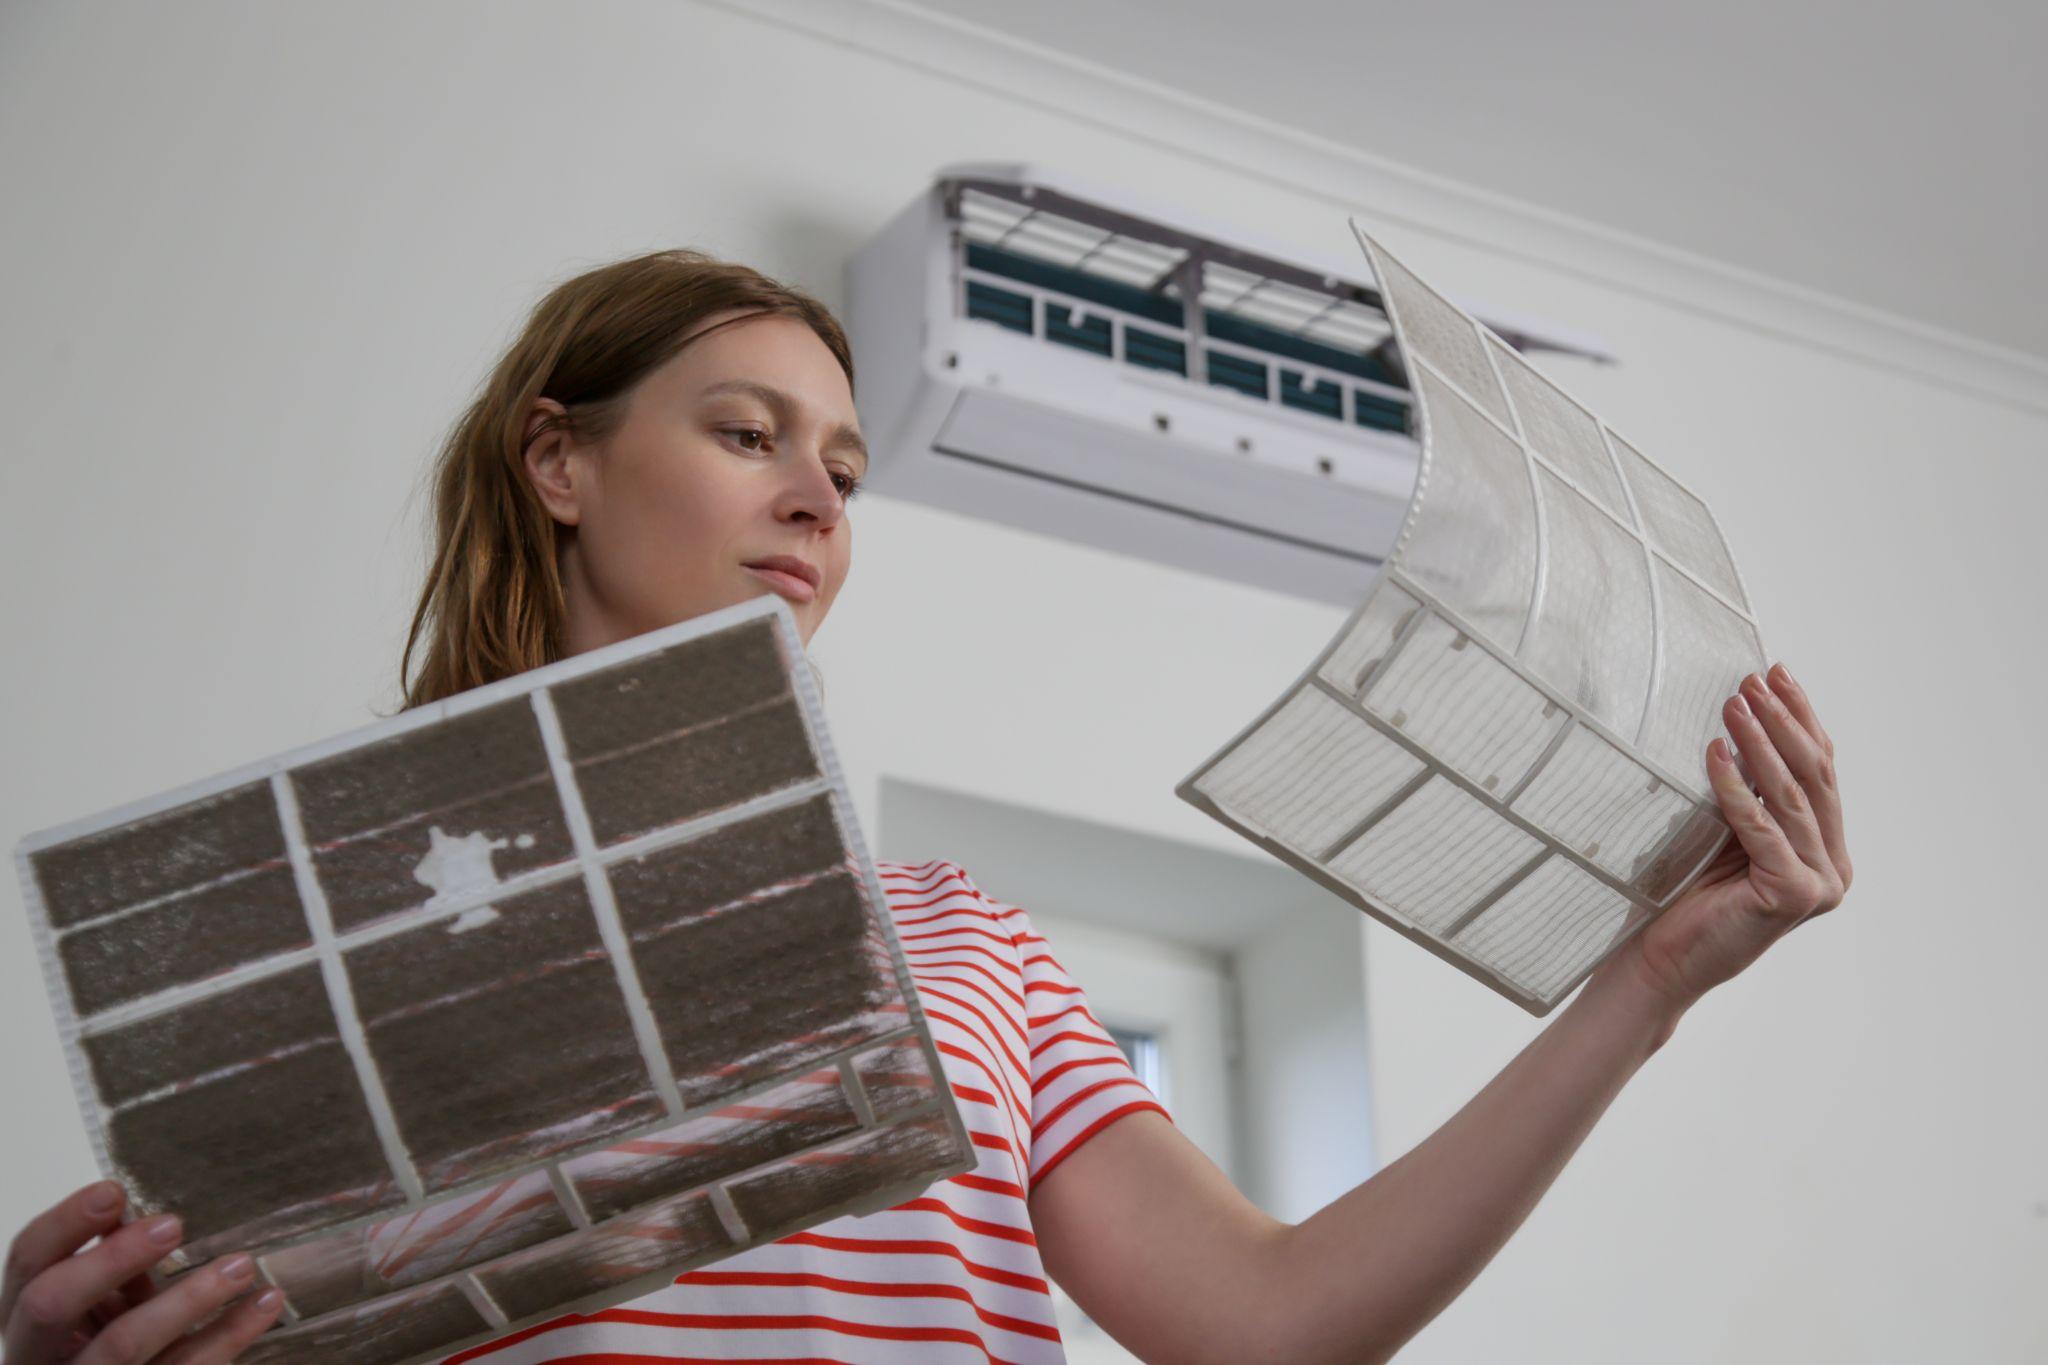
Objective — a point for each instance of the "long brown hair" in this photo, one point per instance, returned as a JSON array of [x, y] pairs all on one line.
[[492, 603]]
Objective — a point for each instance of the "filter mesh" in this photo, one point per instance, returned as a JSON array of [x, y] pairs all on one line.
[[1366, 639], [1502, 752], [1432, 857], [1707, 650], [514, 1002], [1470, 710], [1679, 524], [1597, 587], [1470, 539], [1547, 924], [1560, 431], [1310, 774], [1595, 799], [1433, 329]]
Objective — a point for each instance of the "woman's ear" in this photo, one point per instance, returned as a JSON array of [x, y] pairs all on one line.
[[545, 456]]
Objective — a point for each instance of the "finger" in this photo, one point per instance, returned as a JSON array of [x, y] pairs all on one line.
[[1754, 828], [138, 1334], [137, 1289], [1819, 778], [1775, 783], [1809, 766], [111, 1305], [57, 1299], [1729, 863], [55, 1233], [1800, 705], [224, 1339], [1816, 914], [1742, 767]]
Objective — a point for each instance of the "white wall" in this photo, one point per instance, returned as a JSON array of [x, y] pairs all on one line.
[[253, 258], [1307, 1102]]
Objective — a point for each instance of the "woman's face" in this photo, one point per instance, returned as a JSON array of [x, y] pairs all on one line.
[[739, 450]]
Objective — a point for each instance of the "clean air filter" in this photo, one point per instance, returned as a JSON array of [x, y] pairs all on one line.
[[1502, 753], [517, 1003]]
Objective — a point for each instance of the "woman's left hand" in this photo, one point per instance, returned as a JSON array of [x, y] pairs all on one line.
[[1786, 864]]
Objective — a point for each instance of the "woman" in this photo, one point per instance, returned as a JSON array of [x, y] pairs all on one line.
[[672, 434]]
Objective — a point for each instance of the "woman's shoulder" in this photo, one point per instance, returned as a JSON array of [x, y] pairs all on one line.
[[942, 892], [936, 876]]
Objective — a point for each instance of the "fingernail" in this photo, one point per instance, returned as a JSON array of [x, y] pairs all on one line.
[[238, 1269], [1742, 705], [270, 1299], [163, 1230], [1785, 674], [104, 1199]]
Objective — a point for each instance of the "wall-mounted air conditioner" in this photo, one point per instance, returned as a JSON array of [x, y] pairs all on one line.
[[1064, 358]]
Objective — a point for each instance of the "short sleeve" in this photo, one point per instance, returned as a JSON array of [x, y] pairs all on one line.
[[1081, 1081]]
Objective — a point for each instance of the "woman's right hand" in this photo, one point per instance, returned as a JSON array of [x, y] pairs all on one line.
[[65, 1301]]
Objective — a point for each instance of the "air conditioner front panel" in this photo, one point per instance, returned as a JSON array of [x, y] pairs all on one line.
[[1146, 494]]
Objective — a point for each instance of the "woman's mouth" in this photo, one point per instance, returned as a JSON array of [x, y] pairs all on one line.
[[787, 584]]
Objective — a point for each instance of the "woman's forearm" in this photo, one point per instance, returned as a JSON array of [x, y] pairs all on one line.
[[1365, 1273]]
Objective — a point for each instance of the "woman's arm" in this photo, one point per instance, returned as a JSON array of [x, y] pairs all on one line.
[[1157, 1245]]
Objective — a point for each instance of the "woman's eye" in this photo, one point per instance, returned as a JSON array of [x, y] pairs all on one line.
[[848, 484]]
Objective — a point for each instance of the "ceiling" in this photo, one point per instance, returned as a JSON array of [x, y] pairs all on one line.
[[1888, 154]]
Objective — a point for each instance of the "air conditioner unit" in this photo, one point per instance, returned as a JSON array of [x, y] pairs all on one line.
[[1065, 358]]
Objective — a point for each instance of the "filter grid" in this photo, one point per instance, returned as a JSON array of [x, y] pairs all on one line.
[[471, 1018], [1547, 643]]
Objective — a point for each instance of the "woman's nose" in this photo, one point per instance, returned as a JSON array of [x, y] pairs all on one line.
[[813, 493]]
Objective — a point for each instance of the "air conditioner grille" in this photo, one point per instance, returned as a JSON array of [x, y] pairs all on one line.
[[1240, 350]]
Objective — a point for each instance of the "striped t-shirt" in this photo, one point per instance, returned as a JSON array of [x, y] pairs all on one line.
[[954, 1274]]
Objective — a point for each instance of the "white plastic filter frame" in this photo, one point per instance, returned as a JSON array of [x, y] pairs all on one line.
[[1500, 755], [589, 862]]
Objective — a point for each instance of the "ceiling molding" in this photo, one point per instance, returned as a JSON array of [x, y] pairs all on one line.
[[1386, 191]]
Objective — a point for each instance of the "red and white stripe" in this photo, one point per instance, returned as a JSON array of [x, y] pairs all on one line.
[[954, 1274]]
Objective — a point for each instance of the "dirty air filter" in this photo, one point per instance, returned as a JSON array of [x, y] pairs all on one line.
[[520, 1002], [1502, 752]]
